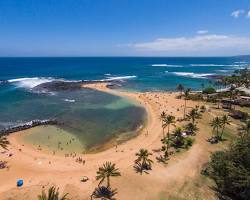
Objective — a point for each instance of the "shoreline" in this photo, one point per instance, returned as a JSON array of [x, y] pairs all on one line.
[[114, 140], [39, 169], [110, 143]]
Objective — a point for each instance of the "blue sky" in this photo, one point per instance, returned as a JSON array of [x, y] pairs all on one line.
[[124, 27]]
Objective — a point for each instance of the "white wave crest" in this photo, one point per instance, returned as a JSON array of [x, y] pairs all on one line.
[[165, 65], [29, 83], [224, 70], [241, 62], [214, 65], [119, 78], [70, 100], [192, 75]]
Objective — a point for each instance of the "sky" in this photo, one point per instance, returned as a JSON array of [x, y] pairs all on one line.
[[124, 27]]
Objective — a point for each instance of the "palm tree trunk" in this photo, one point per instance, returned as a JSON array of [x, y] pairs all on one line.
[[168, 139], [108, 181], [168, 143], [222, 131], [185, 109], [101, 182], [162, 129], [217, 132]]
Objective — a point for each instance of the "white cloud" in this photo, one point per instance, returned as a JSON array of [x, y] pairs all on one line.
[[200, 44], [202, 32], [237, 13], [248, 14]]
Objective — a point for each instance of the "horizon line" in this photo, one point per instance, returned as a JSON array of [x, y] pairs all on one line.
[[125, 56]]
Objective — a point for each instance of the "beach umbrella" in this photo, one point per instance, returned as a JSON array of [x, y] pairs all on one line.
[[19, 183]]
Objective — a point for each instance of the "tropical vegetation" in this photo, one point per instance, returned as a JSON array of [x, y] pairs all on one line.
[[4, 142], [217, 124], [186, 96], [143, 163], [53, 194], [193, 114], [104, 193], [106, 171], [230, 170]]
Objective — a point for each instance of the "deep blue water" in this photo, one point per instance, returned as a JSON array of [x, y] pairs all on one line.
[[91, 115], [151, 73]]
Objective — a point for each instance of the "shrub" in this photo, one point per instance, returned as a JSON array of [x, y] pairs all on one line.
[[202, 108], [188, 142], [208, 90], [195, 97], [230, 171], [212, 99]]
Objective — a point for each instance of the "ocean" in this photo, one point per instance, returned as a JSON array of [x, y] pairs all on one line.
[[95, 117]]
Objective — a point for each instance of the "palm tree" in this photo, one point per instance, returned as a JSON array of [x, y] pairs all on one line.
[[164, 148], [53, 194], [162, 117], [186, 94], [224, 121], [193, 114], [178, 139], [232, 91], [216, 124], [143, 159], [103, 192], [106, 171], [180, 88], [244, 129], [170, 119], [191, 128], [4, 142]]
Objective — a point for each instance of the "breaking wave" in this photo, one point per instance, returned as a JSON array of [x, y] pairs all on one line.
[[192, 75], [70, 100], [117, 78], [29, 83], [214, 65], [165, 65]]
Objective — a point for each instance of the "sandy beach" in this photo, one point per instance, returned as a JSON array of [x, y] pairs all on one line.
[[40, 170]]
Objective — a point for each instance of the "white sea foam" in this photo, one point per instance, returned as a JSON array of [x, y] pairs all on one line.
[[224, 70], [29, 83], [192, 75], [107, 74], [241, 62], [165, 65], [241, 67], [213, 65], [70, 100], [119, 78]]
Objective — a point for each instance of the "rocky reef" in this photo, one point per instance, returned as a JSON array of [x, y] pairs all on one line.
[[28, 125]]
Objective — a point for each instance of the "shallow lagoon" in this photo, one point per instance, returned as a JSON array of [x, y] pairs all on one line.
[[91, 117]]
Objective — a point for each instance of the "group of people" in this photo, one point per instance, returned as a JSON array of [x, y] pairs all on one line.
[[78, 159]]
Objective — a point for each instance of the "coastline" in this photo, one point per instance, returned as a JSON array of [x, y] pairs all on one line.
[[42, 135], [34, 166]]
